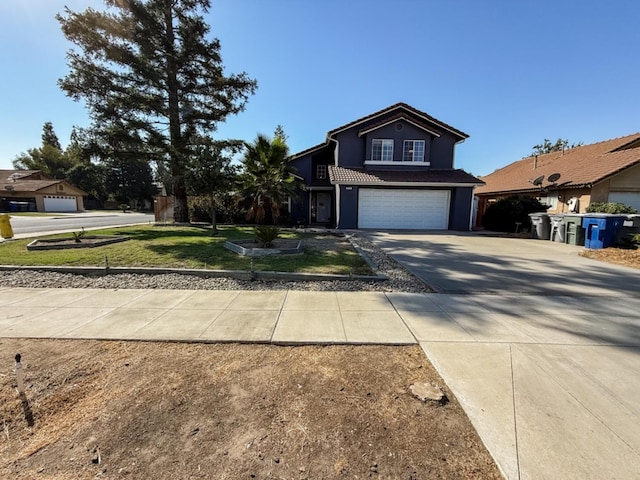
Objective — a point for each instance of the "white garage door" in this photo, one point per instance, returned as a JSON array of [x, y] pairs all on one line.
[[60, 203], [403, 209], [628, 198]]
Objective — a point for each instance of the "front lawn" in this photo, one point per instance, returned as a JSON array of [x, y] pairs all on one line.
[[192, 247]]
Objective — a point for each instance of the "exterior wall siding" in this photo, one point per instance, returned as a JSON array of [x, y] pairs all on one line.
[[408, 132], [354, 150], [460, 209], [627, 181], [348, 207], [442, 151]]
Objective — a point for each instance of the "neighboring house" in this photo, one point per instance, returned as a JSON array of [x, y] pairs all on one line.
[[570, 180], [392, 169], [33, 191]]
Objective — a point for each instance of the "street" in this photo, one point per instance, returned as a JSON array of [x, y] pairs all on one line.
[[31, 226]]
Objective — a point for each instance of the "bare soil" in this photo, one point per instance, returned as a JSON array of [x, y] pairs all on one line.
[[169, 410], [70, 242], [620, 256]]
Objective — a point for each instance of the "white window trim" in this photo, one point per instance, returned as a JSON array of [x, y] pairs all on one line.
[[424, 145], [415, 164], [383, 142], [287, 203]]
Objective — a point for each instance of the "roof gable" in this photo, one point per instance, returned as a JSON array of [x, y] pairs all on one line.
[[407, 110], [19, 175], [396, 118], [32, 181], [578, 167], [398, 111]]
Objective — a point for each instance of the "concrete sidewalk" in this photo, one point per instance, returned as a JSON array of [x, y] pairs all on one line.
[[280, 317], [550, 383]]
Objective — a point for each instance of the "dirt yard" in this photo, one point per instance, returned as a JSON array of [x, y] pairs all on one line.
[[620, 256], [186, 411]]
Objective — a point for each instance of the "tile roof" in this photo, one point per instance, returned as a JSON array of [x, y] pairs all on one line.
[[28, 181], [6, 175], [360, 176], [578, 167], [28, 185]]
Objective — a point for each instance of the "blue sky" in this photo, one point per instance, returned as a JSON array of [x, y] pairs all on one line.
[[508, 73]]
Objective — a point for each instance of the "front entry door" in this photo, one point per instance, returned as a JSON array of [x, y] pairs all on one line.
[[323, 207]]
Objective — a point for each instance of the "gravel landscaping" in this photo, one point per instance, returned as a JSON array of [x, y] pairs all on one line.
[[400, 280]]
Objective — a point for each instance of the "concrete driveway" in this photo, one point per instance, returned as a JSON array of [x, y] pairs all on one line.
[[546, 365], [461, 262]]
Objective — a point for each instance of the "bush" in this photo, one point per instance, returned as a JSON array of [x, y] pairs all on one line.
[[229, 210], [233, 210], [629, 241], [199, 209], [503, 215], [610, 207], [266, 235]]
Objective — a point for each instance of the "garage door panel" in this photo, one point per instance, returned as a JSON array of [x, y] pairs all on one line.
[[60, 203], [403, 209], [628, 198]]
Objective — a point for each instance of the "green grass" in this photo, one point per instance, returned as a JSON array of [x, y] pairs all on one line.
[[183, 247]]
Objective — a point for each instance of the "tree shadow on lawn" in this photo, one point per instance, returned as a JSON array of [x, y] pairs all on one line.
[[202, 254], [161, 232], [206, 255]]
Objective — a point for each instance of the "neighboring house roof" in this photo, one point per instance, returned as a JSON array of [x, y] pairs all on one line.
[[13, 175], [359, 176], [578, 167], [29, 181], [394, 112]]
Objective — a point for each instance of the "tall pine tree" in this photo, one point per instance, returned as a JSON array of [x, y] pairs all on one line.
[[150, 67]]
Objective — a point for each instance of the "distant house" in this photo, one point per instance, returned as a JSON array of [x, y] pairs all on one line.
[[392, 169], [33, 191], [570, 180]]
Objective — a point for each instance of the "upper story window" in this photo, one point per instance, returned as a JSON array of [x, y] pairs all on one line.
[[413, 151], [321, 172], [382, 150]]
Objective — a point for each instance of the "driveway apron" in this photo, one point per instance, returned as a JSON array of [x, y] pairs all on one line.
[[460, 262], [540, 346]]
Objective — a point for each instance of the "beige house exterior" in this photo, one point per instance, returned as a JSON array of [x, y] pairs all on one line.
[[32, 190], [570, 180]]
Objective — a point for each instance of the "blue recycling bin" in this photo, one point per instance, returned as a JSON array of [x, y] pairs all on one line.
[[600, 230]]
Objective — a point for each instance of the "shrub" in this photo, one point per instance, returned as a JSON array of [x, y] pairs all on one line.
[[503, 215], [266, 235], [229, 209], [610, 207], [629, 241], [77, 236], [199, 209]]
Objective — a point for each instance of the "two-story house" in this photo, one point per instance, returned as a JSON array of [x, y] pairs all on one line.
[[392, 169]]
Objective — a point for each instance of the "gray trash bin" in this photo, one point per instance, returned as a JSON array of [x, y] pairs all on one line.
[[540, 225], [558, 228]]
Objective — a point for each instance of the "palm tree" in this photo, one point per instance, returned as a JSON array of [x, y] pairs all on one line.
[[268, 178]]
